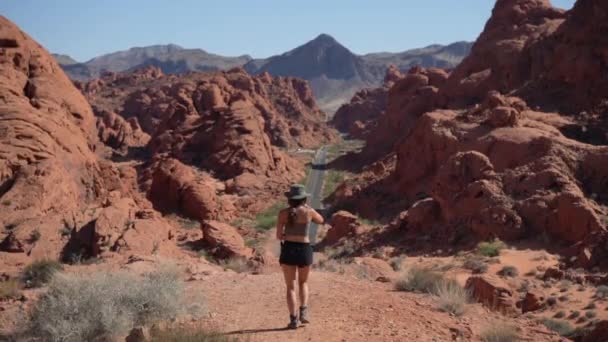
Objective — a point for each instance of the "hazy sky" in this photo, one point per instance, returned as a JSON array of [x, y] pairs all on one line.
[[87, 28]]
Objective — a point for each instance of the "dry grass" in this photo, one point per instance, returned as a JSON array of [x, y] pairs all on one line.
[[499, 332], [452, 297], [397, 262], [103, 305], [10, 289], [419, 279], [238, 265]]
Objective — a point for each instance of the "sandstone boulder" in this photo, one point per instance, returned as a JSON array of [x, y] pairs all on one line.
[[343, 224], [225, 239], [492, 292]]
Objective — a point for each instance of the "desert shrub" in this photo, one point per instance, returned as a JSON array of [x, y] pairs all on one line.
[[574, 314], [238, 265], [561, 327], [531, 273], [106, 305], [601, 291], [419, 280], [9, 289], [35, 236], [453, 298], [560, 314], [491, 248], [551, 301], [590, 314], [346, 249], [590, 306], [267, 219], [475, 264], [524, 287], [564, 298], [40, 272], [499, 332], [509, 271], [332, 180], [397, 262], [188, 335]]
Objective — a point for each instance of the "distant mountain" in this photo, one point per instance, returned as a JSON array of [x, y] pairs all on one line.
[[64, 59], [336, 73], [170, 58], [439, 56]]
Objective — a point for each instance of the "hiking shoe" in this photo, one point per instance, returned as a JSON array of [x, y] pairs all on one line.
[[304, 314], [293, 322]]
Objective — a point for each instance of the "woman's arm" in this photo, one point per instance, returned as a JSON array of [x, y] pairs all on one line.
[[281, 225], [315, 216]]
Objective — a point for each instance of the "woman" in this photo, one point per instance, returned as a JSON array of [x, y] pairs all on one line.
[[296, 252]]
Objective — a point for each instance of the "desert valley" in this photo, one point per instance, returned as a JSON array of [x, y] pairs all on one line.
[[464, 187]]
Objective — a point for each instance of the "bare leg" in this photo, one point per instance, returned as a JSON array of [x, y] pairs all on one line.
[[303, 273], [289, 272]]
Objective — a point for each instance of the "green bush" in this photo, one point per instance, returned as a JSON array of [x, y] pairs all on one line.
[[267, 219], [103, 306], [40, 272], [491, 248], [561, 327], [499, 332]]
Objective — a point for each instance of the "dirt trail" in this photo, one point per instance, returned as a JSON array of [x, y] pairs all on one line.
[[343, 308]]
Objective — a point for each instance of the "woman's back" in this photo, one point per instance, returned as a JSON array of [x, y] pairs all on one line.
[[296, 222]]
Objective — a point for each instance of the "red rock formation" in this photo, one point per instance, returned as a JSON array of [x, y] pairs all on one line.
[[492, 292], [225, 239], [57, 197], [493, 164], [359, 117], [228, 124], [343, 224]]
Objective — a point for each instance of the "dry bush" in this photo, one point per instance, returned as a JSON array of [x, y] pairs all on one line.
[[509, 271], [561, 327], [601, 291], [238, 265], [397, 262], [419, 280], [40, 272], [453, 298], [475, 264], [499, 332], [103, 305]]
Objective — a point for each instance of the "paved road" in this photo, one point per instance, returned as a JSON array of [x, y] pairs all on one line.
[[314, 187]]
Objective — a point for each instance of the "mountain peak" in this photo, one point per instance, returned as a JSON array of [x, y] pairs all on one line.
[[325, 38]]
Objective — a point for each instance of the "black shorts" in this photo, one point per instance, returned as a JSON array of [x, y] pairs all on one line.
[[296, 254]]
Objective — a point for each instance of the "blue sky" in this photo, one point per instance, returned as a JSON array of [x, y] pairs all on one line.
[[87, 28]]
